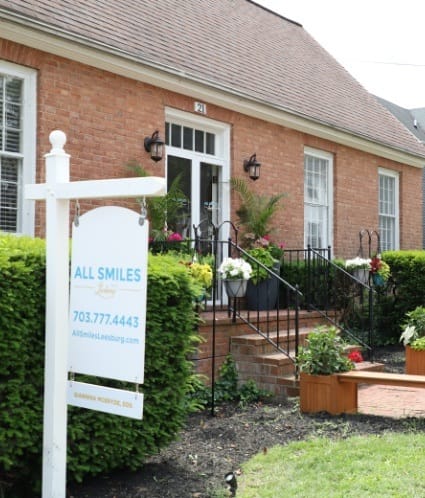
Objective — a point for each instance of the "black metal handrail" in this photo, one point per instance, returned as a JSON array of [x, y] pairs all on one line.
[[270, 319]]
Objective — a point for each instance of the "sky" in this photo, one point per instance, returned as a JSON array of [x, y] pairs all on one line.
[[380, 42]]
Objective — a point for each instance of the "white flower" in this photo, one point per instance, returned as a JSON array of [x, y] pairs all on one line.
[[234, 268], [409, 335], [357, 263]]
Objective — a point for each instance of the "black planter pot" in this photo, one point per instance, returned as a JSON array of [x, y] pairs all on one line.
[[263, 295]]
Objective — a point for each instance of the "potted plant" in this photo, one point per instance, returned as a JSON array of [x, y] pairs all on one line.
[[255, 215], [324, 355], [235, 273], [413, 338], [262, 288]]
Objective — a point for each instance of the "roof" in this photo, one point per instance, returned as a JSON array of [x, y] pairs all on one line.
[[412, 119], [232, 45]]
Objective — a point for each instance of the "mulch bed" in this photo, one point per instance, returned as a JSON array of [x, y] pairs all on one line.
[[209, 447]]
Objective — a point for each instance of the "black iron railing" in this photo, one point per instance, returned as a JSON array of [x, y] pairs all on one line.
[[270, 307], [341, 298]]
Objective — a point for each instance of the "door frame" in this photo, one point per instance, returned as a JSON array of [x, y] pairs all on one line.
[[221, 158]]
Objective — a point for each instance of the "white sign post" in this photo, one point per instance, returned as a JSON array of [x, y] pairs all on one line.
[[57, 191]]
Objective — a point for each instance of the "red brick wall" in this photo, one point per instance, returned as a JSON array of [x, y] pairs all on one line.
[[106, 118]]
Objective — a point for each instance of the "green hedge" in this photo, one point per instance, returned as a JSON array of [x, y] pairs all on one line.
[[22, 291], [97, 442], [408, 273]]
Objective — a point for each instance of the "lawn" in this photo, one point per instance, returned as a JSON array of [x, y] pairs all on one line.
[[388, 465]]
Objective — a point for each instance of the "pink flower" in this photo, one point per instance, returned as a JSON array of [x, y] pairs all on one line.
[[175, 237]]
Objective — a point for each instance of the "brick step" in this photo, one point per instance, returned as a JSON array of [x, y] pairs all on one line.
[[274, 371], [217, 328], [267, 320], [252, 344], [271, 365]]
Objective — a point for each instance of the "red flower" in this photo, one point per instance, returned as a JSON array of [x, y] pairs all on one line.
[[375, 264], [355, 357]]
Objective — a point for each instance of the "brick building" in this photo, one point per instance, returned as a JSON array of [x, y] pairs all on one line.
[[220, 80]]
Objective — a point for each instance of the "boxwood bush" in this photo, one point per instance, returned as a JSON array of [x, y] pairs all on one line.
[[408, 274], [97, 442]]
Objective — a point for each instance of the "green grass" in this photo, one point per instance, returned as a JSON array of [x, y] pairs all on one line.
[[390, 465]]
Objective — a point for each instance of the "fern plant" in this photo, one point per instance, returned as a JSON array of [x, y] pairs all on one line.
[[256, 210], [163, 211]]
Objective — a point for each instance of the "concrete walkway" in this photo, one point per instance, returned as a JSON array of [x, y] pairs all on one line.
[[391, 401]]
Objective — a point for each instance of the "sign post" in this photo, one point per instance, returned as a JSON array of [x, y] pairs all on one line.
[[57, 192]]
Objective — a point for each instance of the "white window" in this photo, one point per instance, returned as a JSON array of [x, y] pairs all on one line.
[[388, 209], [17, 146], [317, 198]]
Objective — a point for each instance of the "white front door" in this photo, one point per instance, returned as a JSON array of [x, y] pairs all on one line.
[[198, 153]]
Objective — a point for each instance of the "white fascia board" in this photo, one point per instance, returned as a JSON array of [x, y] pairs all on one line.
[[105, 58]]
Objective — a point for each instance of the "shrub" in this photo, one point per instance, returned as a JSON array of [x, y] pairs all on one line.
[[408, 273], [227, 388], [22, 291], [97, 442]]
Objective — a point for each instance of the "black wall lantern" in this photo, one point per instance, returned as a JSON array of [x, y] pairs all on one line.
[[252, 167], [154, 145]]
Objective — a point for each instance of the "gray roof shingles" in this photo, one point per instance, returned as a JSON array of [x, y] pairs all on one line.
[[231, 44]]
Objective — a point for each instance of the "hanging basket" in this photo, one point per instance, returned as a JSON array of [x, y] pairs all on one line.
[[235, 288]]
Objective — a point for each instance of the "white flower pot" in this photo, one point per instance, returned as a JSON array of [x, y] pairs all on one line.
[[235, 288]]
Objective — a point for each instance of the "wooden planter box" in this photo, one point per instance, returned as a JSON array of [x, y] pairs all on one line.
[[324, 393], [415, 361]]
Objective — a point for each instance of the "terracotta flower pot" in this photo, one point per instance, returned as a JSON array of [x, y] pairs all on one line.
[[415, 361], [324, 393]]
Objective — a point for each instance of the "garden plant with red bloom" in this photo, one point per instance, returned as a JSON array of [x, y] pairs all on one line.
[[355, 357]]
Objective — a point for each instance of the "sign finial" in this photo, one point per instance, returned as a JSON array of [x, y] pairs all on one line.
[[58, 139]]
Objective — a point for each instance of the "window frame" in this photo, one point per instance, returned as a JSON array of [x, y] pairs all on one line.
[[327, 156], [396, 176], [27, 155]]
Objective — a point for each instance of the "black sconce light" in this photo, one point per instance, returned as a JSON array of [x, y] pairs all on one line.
[[154, 145], [252, 167]]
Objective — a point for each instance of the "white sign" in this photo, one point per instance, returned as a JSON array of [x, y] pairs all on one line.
[[107, 314], [105, 399]]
